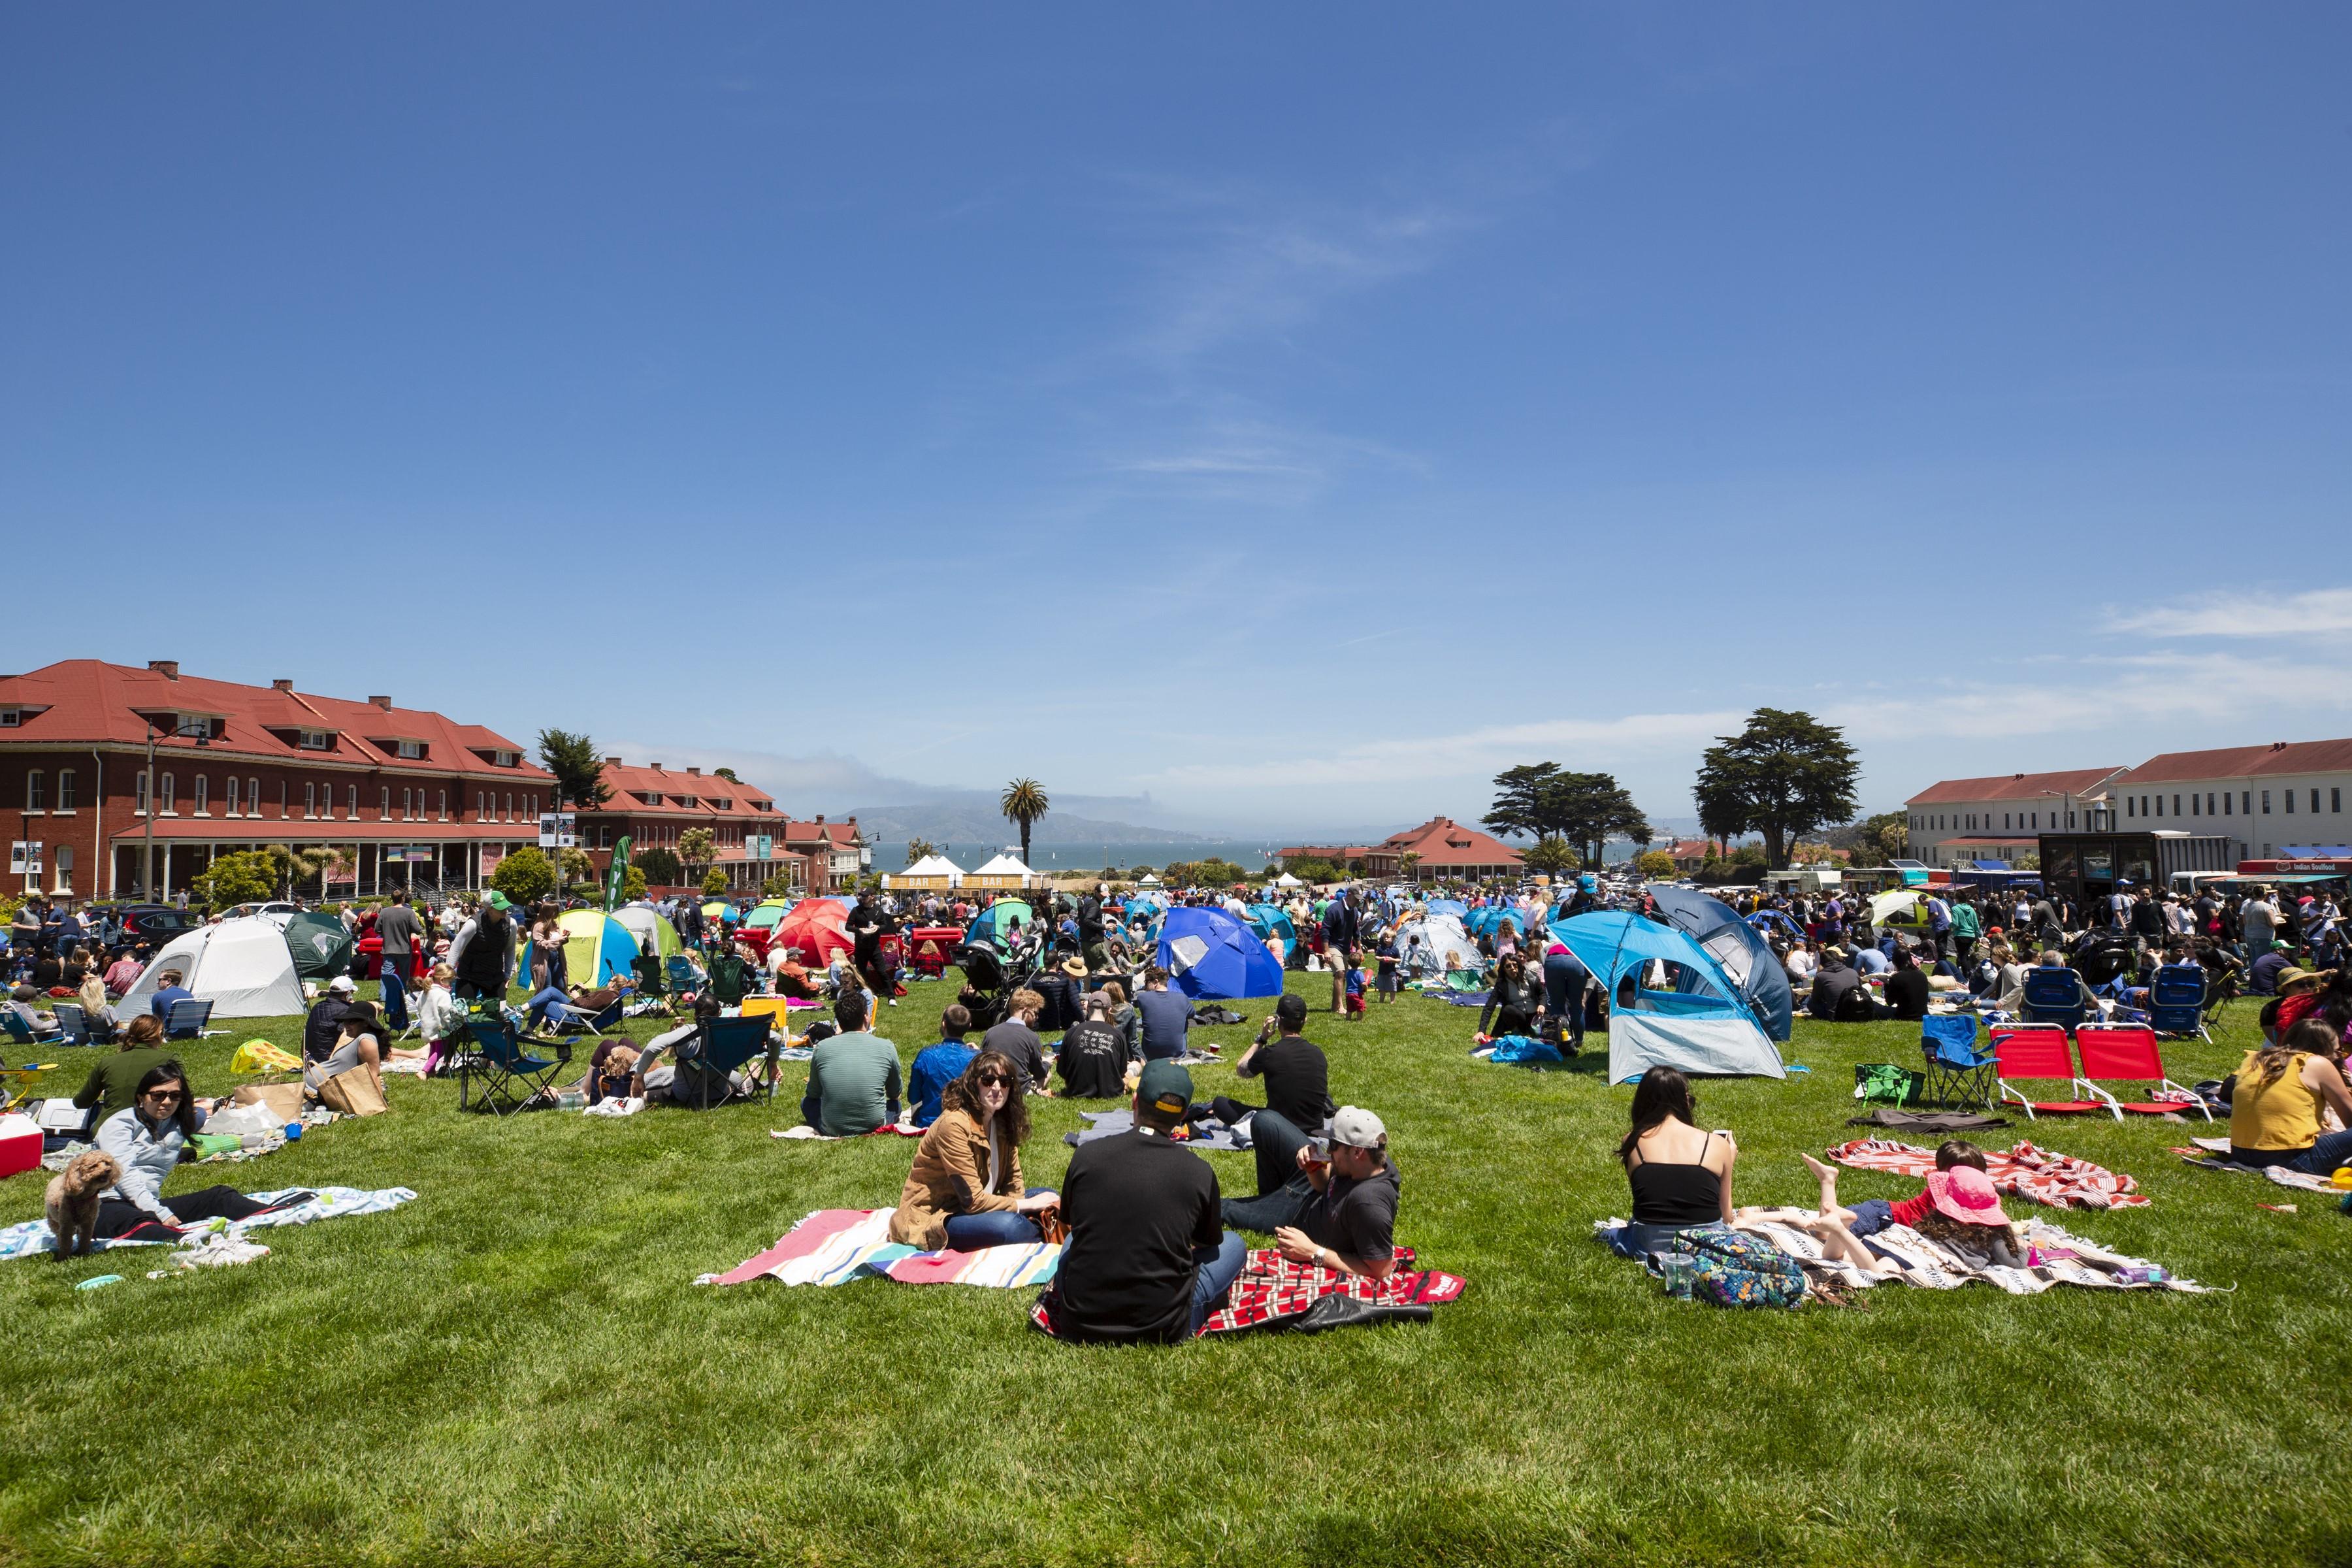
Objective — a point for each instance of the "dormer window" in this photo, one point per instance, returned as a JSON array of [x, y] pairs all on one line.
[[10, 718], [508, 759], [411, 750], [317, 741]]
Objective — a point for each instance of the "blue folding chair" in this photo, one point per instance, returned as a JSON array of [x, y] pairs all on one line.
[[510, 1077], [2053, 997], [2176, 1001], [709, 1060], [188, 1019], [74, 1022], [1957, 1072]]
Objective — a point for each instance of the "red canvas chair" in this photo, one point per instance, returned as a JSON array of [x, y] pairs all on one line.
[[2032, 1051], [2126, 1053]]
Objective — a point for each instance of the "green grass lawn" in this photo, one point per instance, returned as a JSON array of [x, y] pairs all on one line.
[[517, 1368]]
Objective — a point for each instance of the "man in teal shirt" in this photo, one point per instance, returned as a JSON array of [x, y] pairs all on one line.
[[853, 1083]]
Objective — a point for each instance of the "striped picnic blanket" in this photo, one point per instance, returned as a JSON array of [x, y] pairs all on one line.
[[2055, 1257], [2213, 1155], [833, 1246], [2060, 1181], [1272, 1290], [32, 1237]]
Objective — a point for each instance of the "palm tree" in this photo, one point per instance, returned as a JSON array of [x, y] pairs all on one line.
[[1025, 802]]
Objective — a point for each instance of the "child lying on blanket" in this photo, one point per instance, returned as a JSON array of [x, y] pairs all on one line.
[[1957, 1209]]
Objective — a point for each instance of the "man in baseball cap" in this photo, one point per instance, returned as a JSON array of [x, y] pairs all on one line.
[[1148, 1259], [1339, 1211]]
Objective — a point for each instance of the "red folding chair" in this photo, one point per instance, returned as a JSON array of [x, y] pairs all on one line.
[[2126, 1053], [2031, 1051]]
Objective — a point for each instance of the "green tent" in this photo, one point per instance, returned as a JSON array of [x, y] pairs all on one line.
[[321, 947]]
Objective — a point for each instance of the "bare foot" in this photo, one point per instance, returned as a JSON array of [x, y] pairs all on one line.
[[1826, 1173]]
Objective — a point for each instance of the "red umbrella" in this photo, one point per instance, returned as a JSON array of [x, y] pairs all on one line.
[[814, 931]]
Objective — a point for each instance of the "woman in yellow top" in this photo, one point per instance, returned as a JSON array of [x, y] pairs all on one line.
[[2274, 1109], [965, 1190]]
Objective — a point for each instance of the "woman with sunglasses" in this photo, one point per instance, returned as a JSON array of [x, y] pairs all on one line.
[[964, 1192], [148, 1139]]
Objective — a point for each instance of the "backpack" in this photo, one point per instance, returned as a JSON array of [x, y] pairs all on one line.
[[1732, 1268]]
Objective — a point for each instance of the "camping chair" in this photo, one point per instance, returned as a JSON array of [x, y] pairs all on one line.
[[568, 1019], [510, 1077], [18, 1030], [2053, 997], [2176, 1001], [2126, 1053], [188, 1019], [652, 983], [2031, 1051], [1957, 1072], [710, 1057], [728, 982], [680, 973], [74, 1022]]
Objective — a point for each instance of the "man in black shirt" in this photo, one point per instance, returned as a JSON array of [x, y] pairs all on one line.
[[1093, 1058], [1340, 1214], [1148, 1259], [1907, 988], [1298, 1090], [868, 924], [322, 1026]]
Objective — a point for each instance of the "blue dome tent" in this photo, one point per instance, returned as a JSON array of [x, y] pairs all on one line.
[[1738, 949], [1269, 921], [1211, 955], [1702, 1026]]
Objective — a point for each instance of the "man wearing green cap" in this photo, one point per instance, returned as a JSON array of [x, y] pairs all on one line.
[[1148, 1258], [482, 953]]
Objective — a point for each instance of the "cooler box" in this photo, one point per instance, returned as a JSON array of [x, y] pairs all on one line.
[[20, 1144], [931, 948]]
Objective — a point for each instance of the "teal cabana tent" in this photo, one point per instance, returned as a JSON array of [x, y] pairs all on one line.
[[1701, 1025]]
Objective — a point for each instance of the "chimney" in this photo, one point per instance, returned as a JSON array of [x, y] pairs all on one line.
[[611, 762], [283, 684], [694, 772], [656, 767], [383, 702], [820, 819], [169, 668]]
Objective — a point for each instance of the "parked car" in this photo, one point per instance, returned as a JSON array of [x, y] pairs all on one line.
[[154, 924]]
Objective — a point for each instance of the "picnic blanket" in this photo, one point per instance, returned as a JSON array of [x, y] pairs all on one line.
[[1927, 1120], [1273, 1292], [1519, 1049], [2053, 1256], [619, 1105], [833, 1246], [32, 1236], [2213, 1155], [2060, 1181], [1201, 1133]]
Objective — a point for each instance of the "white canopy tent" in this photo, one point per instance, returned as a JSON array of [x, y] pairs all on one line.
[[932, 873], [243, 967], [1003, 873], [1287, 881]]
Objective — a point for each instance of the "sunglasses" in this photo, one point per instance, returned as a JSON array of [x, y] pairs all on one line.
[[164, 1094], [994, 1081]]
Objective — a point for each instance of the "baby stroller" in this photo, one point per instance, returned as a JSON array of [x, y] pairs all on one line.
[[991, 978]]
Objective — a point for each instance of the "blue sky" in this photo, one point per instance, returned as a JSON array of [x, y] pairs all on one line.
[[1326, 409]]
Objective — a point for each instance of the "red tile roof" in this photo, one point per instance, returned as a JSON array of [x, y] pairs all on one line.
[[1442, 841], [673, 784], [2013, 786], [85, 701], [2244, 762]]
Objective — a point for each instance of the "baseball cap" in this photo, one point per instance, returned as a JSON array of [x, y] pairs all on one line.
[[496, 900], [1165, 1087], [342, 985], [1291, 1009], [1358, 1128]]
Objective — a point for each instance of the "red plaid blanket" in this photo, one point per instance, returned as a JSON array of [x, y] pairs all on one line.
[[1271, 1287], [2060, 1181]]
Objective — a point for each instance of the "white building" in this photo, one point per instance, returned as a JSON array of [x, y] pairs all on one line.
[[2270, 799], [2002, 817]]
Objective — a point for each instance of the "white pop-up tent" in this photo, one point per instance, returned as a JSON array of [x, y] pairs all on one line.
[[933, 873], [1004, 874], [243, 967]]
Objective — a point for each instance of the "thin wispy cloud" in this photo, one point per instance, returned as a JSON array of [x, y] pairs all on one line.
[[2315, 611], [1465, 753]]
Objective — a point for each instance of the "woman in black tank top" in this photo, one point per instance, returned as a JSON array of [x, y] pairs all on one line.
[[1680, 1178]]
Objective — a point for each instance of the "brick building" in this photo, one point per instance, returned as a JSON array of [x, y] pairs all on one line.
[[1446, 851], [411, 797], [656, 806]]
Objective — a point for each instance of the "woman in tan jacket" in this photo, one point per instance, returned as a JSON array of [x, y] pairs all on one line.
[[965, 1190]]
